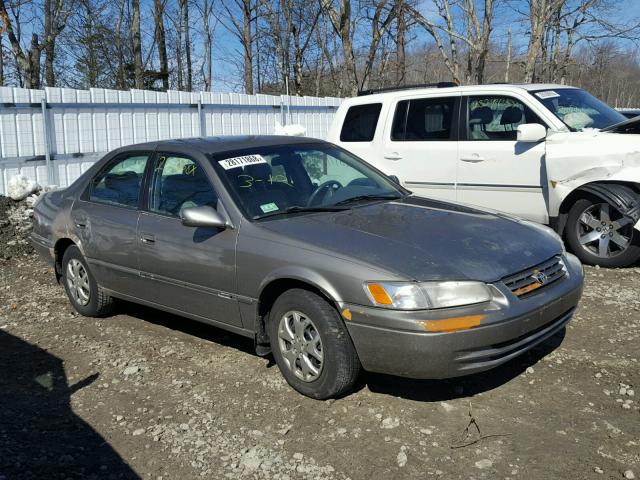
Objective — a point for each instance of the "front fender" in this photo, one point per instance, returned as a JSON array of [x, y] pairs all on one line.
[[302, 274]]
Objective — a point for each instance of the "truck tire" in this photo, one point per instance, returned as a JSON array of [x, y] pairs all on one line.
[[599, 234]]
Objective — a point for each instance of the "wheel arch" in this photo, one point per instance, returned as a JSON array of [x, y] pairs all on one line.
[[610, 191], [269, 293], [59, 248]]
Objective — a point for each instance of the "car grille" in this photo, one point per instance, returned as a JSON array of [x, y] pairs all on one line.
[[533, 279]]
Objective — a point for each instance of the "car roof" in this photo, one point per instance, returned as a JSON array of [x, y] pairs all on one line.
[[506, 87], [220, 144]]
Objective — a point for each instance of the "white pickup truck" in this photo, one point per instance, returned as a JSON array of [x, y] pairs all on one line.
[[549, 153]]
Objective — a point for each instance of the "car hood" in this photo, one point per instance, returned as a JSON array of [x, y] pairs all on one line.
[[423, 239]]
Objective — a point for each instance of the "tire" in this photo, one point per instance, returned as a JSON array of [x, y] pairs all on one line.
[[585, 218], [318, 320], [84, 293]]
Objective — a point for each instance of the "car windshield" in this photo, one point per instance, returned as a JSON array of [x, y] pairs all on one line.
[[578, 109], [292, 179]]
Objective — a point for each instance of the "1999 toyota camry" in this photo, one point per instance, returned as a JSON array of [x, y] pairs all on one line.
[[323, 260]]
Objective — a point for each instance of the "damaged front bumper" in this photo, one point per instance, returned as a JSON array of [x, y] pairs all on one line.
[[397, 343]]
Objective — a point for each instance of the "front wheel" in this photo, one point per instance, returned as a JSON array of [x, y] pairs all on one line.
[[311, 346], [599, 234]]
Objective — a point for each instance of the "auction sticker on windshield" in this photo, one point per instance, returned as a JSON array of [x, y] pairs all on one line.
[[243, 161], [547, 94]]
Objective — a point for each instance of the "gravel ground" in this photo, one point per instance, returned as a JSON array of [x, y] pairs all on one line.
[[145, 394]]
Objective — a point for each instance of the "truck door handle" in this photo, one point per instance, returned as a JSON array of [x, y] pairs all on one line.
[[81, 225], [474, 158], [147, 238], [393, 156]]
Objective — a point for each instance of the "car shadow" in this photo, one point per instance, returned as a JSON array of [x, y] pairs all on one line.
[[419, 390], [40, 435], [186, 325], [461, 387]]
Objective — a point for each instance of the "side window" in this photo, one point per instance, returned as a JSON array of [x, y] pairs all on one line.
[[360, 123], [424, 119], [119, 183], [497, 118], [179, 183]]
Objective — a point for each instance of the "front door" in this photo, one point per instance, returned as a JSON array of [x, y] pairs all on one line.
[[186, 268], [106, 219], [421, 148], [496, 171]]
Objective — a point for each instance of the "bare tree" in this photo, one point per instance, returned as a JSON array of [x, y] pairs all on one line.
[[187, 45], [243, 28], [137, 46], [161, 42], [206, 10], [474, 38]]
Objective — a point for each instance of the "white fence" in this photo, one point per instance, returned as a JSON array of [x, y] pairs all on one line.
[[53, 135]]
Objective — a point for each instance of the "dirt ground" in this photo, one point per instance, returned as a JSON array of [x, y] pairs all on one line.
[[145, 394]]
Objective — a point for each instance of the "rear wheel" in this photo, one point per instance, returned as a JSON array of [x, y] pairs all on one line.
[[599, 234], [311, 346], [86, 296]]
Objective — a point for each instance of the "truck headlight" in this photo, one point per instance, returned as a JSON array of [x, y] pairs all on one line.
[[420, 296]]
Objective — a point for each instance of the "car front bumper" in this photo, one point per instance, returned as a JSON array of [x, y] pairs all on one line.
[[395, 342]]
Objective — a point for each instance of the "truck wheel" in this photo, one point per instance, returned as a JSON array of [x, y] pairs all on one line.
[[599, 234], [86, 296], [311, 346]]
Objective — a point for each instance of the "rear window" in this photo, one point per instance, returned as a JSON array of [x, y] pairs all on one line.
[[423, 119], [360, 123]]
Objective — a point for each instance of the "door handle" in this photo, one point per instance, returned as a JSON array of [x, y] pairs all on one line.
[[393, 156], [81, 225], [147, 238], [474, 158]]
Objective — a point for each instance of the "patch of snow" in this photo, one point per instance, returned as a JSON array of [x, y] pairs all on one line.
[[20, 187], [293, 130]]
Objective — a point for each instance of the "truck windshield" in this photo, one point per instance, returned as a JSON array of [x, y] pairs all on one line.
[[578, 109]]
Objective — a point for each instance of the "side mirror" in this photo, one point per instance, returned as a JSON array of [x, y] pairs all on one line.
[[531, 132], [394, 179], [204, 216]]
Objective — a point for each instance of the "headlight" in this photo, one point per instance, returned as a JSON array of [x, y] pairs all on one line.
[[419, 296]]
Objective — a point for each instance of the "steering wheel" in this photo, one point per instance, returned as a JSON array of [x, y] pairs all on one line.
[[323, 188]]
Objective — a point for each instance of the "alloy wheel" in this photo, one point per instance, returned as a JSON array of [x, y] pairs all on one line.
[[300, 345], [603, 231], [78, 282]]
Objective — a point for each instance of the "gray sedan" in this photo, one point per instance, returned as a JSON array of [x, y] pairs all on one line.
[[324, 261]]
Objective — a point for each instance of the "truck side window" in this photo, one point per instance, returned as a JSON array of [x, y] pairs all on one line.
[[360, 123], [423, 119], [497, 118]]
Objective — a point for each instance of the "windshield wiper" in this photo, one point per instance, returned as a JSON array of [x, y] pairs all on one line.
[[300, 208], [359, 198]]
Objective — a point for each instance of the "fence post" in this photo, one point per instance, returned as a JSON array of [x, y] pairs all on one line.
[[200, 119], [45, 138]]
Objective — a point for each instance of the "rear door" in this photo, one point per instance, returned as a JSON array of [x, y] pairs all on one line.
[[420, 144], [495, 170], [185, 268], [106, 219]]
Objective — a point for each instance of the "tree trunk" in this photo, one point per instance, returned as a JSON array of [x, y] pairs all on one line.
[[401, 62], [120, 82], [179, 46], [162, 45], [50, 43], [34, 63], [538, 12], [247, 44], [187, 46], [508, 68], [137, 46], [1, 62], [208, 41]]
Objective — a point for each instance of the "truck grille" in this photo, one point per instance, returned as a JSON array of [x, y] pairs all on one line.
[[533, 279]]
